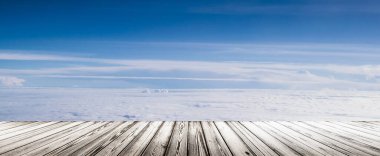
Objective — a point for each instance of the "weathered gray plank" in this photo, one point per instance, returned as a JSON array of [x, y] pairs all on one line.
[[273, 143], [41, 129], [64, 141], [306, 141], [46, 140], [84, 141], [17, 129], [178, 140], [9, 125], [355, 130], [25, 128], [215, 142], [92, 146], [28, 140], [159, 143], [365, 125], [348, 140], [343, 133], [74, 141], [289, 141], [117, 145], [338, 145], [251, 140], [235, 144], [140, 142], [196, 143]]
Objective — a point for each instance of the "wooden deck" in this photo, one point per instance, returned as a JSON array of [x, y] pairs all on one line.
[[189, 138]]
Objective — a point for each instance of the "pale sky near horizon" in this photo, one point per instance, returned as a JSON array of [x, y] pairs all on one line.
[[271, 44]]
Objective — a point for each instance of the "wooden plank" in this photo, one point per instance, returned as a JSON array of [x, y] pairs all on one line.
[[64, 141], [306, 141], [9, 125], [338, 145], [138, 145], [45, 149], [97, 144], [21, 150], [342, 133], [250, 139], [160, 142], [73, 142], [235, 144], [196, 143], [18, 129], [178, 140], [77, 144], [277, 146], [365, 125], [41, 129], [341, 138], [356, 130], [215, 142], [117, 145], [28, 140], [289, 141], [24, 131]]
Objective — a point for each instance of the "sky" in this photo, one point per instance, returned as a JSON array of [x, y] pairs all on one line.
[[271, 44]]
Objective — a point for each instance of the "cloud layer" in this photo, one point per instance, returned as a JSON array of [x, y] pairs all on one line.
[[205, 104], [11, 81]]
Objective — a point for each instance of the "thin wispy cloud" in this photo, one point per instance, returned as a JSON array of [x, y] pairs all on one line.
[[359, 75], [367, 51], [20, 55], [236, 67], [11, 81], [147, 78], [288, 74]]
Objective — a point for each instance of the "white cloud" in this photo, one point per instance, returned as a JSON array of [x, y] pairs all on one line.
[[11, 81], [312, 75], [147, 78], [242, 69], [270, 49], [25, 55], [289, 74]]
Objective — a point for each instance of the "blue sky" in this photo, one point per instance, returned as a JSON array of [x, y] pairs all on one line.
[[287, 44]]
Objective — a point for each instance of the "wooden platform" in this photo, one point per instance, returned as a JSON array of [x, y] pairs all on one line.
[[190, 138]]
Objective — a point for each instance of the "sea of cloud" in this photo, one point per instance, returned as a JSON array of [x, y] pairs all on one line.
[[187, 104]]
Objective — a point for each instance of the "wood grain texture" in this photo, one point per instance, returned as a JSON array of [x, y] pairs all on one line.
[[348, 140], [117, 145], [326, 140], [160, 142], [196, 143], [198, 138], [178, 139], [214, 140], [236, 145], [138, 145]]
